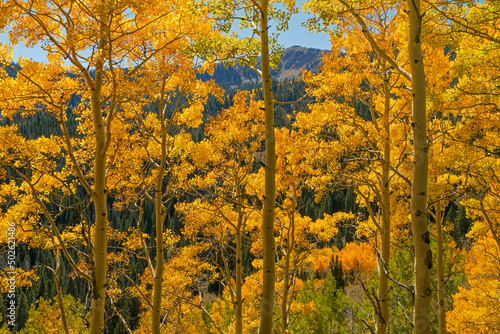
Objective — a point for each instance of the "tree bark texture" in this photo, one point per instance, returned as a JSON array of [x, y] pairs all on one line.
[[101, 218], [440, 269], [268, 272], [421, 236], [160, 214], [383, 262]]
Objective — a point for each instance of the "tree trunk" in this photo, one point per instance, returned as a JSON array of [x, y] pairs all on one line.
[[421, 237], [101, 225], [440, 269], [285, 300], [99, 195], [268, 270], [160, 214], [383, 263], [238, 309], [158, 274], [238, 299], [59, 292]]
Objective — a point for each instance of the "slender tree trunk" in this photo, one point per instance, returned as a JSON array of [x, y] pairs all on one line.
[[238, 300], [383, 263], [159, 220], [286, 274], [268, 272], [421, 237], [99, 195], [284, 299], [440, 268], [238, 309], [100, 238], [59, 292]]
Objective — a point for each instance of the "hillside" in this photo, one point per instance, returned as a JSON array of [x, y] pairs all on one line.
[[294, 60]]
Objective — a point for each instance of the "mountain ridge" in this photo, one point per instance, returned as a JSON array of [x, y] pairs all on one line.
[[293, 61]]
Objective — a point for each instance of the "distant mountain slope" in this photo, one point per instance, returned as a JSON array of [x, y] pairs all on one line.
[[294, 59]]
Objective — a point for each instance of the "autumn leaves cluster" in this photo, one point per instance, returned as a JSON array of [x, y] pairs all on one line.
[[134, 66]]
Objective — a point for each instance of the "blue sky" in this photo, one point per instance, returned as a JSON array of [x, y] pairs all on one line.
[[296, 35]]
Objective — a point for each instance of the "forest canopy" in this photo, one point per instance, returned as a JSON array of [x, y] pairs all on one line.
[[161, 174]]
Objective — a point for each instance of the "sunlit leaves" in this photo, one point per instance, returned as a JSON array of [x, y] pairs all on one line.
[[17, 277], [358, 258], [183, 272], [45, 317], [475, 305], [326, 228]]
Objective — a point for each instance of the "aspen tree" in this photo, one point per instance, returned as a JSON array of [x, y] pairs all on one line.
[[268, 268], [421, 236], [229, 207], [475, 100], [94, 39], [259, 16], [439, 215], [383, 260], [443, 189], [416, 76], [298, 236], [227, 212], [157, 166], [357, 79]]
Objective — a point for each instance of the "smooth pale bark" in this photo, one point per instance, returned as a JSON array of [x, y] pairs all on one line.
[[440, 268], [285, 300], [268, 270], [385, 232], [238, 307], [160, 214], [99, 195], [421, 236], [100, 239]]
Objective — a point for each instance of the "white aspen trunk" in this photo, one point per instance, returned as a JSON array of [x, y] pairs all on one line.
[[159, 220], [238, 298], [238, 309], [286, 296], [385, 233], [268, 270], [421, 236], [99, 195], [440, 268], [101, 223]]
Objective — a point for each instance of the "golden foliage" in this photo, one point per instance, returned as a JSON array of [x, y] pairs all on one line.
[[475, 306], [358, 257]]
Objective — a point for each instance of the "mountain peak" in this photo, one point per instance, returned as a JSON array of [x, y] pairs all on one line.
[[296, 58], [293, 61]]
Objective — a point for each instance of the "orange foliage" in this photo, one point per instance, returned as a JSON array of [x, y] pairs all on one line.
[[358, 257], [319, 259]]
